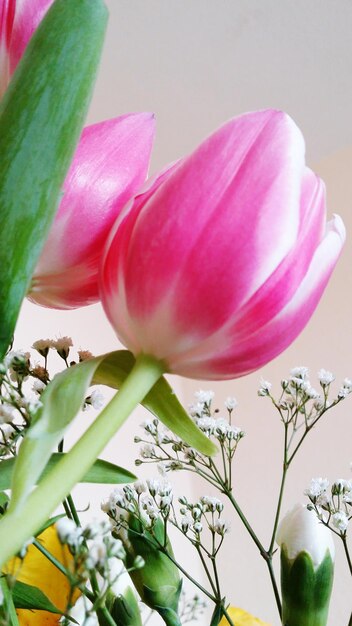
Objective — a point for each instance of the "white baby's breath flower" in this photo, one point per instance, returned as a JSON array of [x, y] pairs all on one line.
[[62, 345], [230, 403], [207, 424], [340, 521], [317, 487], [97, 399], [38, 386], [42, 346], [147, 451], [299, 372], [325, 377], [204, 397], [84, 355], [196, 410], [6, 414], [265, 387], [64, 528]]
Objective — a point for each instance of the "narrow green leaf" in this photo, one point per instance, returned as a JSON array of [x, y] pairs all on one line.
[[101, 472], [161, 400], [41, 118], [29, 597], [8, 602], [62, 400]]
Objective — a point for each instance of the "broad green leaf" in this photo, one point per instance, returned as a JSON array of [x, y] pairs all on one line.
[[62, 400], [101, 472], [29, 597], [41, 118]]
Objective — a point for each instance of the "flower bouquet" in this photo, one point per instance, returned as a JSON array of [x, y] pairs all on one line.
[[207, 270]]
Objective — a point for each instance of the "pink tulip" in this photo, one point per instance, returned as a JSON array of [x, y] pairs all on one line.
[[219, 265], [18, 21], [109, 166]]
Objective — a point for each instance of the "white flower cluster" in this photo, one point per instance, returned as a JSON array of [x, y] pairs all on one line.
[[147, 501], [331, 503], [299, 396], [206, 513], [94, 542], [219, 428]]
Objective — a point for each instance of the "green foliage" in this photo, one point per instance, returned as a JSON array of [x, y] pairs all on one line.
[[41, 118], [101, 472], [124, 609], [305, 589], [62, 400], [158, 582]]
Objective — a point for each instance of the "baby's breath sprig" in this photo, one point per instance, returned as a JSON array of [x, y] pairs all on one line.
[[145, 510], [333, 507], [300, 407], [22, 382]]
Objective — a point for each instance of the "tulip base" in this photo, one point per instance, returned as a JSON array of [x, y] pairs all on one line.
[[53, 489]]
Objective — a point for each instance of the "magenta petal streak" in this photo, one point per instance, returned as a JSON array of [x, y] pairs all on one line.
[[219, 265]]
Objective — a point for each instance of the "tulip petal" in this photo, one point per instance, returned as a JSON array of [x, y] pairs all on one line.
[[29, 14], [109, 166], [7, 16], [246, 353], [200, 207]]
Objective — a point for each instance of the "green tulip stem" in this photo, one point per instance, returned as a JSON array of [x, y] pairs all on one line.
[[54, 488]]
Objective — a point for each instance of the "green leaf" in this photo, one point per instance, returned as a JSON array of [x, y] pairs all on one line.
[[101, 472], [62, 400], [161, 400], [41, 118], [8, 602], [29, 597]]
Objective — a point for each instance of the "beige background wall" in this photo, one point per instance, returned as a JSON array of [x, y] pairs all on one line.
[[196, 63]]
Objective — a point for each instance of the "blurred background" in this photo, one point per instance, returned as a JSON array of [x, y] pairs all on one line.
[[196, 63]]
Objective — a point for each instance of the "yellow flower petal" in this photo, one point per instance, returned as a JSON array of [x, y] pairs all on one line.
[[242, 618], [38, 571]]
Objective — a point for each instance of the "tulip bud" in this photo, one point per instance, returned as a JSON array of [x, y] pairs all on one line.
[[158, 582], [220, 262], [307, 564]]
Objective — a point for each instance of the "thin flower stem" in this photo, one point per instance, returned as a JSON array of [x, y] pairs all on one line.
[[274, 586], [206, 569], [62, 569], [54, 487], [225, 613], [267, 557], [348, 557], [245, 521], [285, 467]]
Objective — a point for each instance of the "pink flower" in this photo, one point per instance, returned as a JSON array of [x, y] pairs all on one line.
[[18, 21], [219, 265], [110, 164]]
